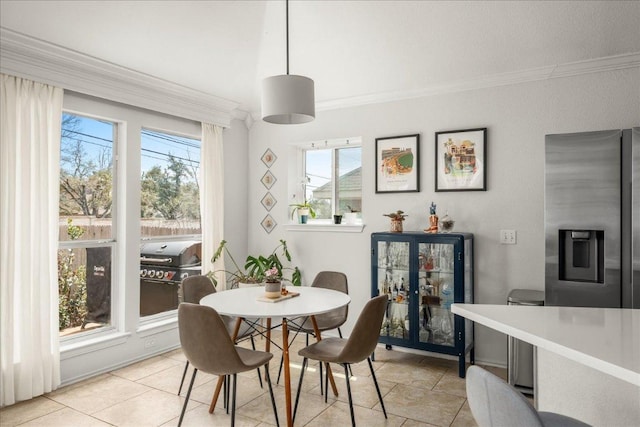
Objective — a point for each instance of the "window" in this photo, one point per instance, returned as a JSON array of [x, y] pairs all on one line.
[[86, 227], [170, 218], [332, 176]]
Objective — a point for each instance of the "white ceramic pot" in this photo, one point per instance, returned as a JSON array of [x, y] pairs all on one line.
[[249, 285], [351, 218]]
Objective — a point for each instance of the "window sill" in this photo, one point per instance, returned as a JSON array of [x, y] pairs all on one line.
[[331, 228], [88, 345]]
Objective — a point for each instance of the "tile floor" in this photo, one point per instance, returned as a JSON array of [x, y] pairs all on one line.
[[417, 391]]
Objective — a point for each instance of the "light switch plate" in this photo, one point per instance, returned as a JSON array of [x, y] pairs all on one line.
[[508, 237]]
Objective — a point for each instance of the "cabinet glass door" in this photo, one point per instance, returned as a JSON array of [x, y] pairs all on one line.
[[436, 285], [393, 280]]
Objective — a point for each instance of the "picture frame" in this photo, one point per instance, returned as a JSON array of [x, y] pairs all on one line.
[[461, 160], [269, 158], [268, 201], [268, 223], [397, 164], [268, 179]]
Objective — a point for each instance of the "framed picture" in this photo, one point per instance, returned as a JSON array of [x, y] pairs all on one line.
[[461, 160], [268, 201], [397, 169], [268, 223], [268, 158], [268, 179]]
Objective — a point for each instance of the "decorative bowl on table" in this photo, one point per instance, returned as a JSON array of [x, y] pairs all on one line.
[[272, 289]]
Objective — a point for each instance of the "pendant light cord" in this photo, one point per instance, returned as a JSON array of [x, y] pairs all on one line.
[[287, 20]]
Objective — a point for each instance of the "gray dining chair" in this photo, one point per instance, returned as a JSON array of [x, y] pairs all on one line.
[[495, 403], [358, 347], [208, 347], [333, 319], [192, 290]]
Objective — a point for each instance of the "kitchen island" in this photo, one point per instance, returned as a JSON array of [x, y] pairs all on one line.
[[588, 359]]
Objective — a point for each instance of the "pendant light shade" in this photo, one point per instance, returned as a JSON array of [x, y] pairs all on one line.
[[288, 99]]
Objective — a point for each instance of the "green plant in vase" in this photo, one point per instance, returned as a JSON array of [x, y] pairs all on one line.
[[258, 265], [255, 267]]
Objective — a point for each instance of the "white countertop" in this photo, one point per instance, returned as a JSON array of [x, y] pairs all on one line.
[[606, 339]]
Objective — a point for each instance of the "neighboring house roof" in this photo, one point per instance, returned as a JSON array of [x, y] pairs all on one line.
[[348, 183]]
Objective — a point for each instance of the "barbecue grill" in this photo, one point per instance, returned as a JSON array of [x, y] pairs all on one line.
[[163, 265]]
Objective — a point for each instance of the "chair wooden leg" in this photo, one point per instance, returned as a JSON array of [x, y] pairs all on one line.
[[273, 400], [186, 400], [295, 407], [184, 374], [346, 375], [233, 400], [375, 381]]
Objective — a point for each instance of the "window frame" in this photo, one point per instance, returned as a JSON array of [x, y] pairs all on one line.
[[297, 174], [112, 243]]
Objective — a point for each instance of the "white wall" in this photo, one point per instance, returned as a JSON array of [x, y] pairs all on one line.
[[517, 117], [236, 182]]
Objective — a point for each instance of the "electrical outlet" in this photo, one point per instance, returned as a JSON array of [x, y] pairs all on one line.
[[149, 343], [508, 237]]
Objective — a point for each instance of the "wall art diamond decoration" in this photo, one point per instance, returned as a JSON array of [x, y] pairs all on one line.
[[268, 223], [268, 158], [268, 201], [268, 179]]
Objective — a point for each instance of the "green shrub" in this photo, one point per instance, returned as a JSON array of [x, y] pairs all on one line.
[[72, 284]]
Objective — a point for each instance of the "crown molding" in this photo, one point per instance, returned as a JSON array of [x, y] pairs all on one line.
[[609, 63], [31, 58]]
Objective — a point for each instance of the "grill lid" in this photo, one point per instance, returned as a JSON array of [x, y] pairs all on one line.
[[177, 253]]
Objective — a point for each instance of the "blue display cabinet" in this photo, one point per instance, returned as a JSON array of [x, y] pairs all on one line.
[[422, 275]]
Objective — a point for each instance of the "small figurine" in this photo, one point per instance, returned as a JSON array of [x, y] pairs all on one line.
[[396, 220], [433, 219]]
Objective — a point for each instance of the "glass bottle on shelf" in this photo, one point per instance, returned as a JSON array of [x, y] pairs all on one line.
[[446, 325], [406, 324]]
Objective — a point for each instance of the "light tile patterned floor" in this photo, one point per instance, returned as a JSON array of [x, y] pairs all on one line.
[[417, 391]]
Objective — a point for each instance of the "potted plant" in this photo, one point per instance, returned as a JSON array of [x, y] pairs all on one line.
[[351, 217], [255, 267], [303, 209], [273, 283], [238, 275], [397, 218]]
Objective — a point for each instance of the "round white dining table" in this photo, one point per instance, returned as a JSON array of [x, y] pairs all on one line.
[[246, 303]]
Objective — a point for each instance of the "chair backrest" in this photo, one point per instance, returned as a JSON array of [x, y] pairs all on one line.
[[336, 281], [194, 288], [493, 402], [205, 340], [331, 280], [364, 336]]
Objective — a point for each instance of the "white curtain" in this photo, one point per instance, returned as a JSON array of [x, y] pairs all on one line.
[[212, 198], [30, 116]]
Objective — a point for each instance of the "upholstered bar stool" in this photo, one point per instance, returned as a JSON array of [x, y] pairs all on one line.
[[494, 403]]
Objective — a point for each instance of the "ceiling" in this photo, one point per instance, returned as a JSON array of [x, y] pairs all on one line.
[[350, 48]]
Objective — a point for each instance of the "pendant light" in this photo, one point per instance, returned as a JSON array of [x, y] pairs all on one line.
[[288, 98]]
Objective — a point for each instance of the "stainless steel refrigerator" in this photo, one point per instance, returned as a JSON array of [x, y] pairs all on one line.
[[592, 219]]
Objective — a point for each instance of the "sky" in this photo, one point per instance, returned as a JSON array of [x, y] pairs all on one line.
[[97, 135]]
